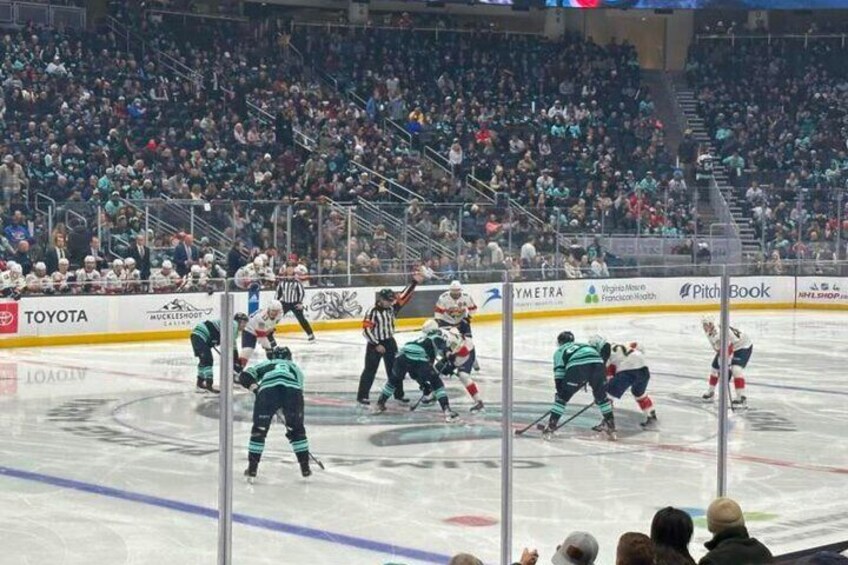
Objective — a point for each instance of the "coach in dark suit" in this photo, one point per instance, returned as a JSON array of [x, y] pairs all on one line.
[[186, 254], [141, 253], [55, 253]]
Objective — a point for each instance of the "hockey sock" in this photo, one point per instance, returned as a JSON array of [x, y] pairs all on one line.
[[300, 447], [606, 408], [645, 403], [256, 446], [204, 373], [713, 380], [739, 384], [472, 390], [386, 393], [442, 397], [557, 411]]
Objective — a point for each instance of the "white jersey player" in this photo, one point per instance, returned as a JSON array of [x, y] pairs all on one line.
[[461, 362], [133, 275], [251, 274], [195, 280], [454, 308], [116, 279], [211, 269], [740, 349], [166, 279], [88, 279], [38, 281], [12, 281], [260, 329], [63, 279], [627, 368]]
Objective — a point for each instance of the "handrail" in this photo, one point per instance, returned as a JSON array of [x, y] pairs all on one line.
[[51, 201], [438, 160], [351, 93], [405, 136], [409, 194], [224, 17], [479, 187]]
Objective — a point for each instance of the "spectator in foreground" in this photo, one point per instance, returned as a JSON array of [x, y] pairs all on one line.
[[671, 532], [464, 559], [579, 548], [731, 542], [635, 549]]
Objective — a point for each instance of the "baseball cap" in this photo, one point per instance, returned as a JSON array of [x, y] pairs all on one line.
[[579, 548]]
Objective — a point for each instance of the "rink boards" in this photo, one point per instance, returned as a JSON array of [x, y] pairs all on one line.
[[59, 320]]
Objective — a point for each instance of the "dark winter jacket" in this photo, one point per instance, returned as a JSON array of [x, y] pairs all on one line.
[[734, 546]]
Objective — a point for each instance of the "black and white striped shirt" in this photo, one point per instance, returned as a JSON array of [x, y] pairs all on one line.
[[290, 291], [379, 324]]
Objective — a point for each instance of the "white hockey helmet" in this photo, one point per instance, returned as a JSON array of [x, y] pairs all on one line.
[[195, 269], [167, 265], [89, 260], [117, 263], [598, 342], [429, 326], [258, 262], [129, 262], [455, 288], [708, 323], [453, 338], [15, 268], [275, 306], [208, 258], [63, 262], [40, 268]]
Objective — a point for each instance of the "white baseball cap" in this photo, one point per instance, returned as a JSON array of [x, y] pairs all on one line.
[[579, 548]]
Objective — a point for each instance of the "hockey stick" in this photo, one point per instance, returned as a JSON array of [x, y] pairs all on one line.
[[561, 424], [317, 461], [417, 402], [531, 424]]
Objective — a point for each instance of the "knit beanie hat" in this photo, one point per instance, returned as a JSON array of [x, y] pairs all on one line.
[[722, 514]]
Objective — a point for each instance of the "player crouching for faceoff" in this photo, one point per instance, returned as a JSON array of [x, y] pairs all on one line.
[[626, 368], [417, 358], [461, 363], [576, 365], [278, 385], [260, 329], [740, 348], [204, 337]]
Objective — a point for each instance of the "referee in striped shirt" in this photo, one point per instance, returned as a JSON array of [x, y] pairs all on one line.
[[378, 327], [291, 293]]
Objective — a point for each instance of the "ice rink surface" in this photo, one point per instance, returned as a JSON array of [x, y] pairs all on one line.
[[109, 456]]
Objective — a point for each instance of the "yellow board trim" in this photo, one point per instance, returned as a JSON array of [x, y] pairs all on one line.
[[409, 323]]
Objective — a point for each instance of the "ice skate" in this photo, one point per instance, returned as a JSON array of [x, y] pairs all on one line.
[[250, 474], [428, 399], [200, 387], [740, 403], [547, 431], [379, 407], [708, 396], [607, 426], [451, 417], [311, 338], [305, 471], [651, 423], [363, 402], [478, 407]]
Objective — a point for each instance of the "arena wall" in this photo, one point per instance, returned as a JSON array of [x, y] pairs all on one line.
[[57, 320]]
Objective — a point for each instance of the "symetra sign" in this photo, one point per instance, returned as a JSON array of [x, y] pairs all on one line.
[[708, 291]]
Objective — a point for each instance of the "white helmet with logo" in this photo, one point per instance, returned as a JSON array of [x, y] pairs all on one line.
[[167, 265], [15, 268], [117, 263], [275, 306], [40, 268]]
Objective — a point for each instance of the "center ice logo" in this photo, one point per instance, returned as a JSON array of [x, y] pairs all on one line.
[[592, 295]]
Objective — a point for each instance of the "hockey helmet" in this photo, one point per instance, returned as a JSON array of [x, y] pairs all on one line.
[[129, 262], [275, 306], [597, 342], [708, 323], [455, 289], [258, 262], [565, 337], [386, 294], [429, 326], [240, 317], [167, 265], [280, 352], [40, 268], [453, 338], [195, 269], [117, 263]]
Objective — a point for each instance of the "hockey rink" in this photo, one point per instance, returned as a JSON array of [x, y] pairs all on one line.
[[107, 455]]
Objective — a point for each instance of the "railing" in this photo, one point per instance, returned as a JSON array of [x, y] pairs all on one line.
[[42, 15], [401, 192], [479, 188], [438, 160], [198, 16], [435, 30], [768, 37], [398, 130]]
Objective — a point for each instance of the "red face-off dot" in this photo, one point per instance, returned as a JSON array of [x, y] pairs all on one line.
[[471, 521]]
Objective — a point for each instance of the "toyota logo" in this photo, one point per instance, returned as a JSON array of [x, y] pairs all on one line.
[[6, 318]]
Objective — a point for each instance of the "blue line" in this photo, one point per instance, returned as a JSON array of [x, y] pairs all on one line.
[[263, 523]]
